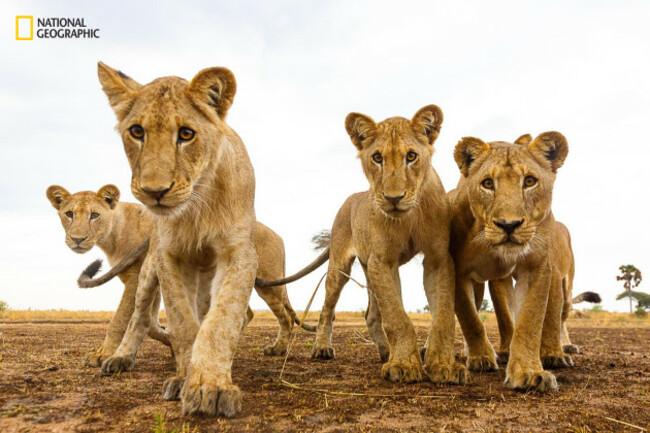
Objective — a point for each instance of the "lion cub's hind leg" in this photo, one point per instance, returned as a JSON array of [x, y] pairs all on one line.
[[156, 331], [501, 292], [551, 350], [374, 321], [273, 296], [334, 283], [567, 289], [480, 353]]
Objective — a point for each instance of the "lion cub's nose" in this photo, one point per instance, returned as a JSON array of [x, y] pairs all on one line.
[[78, 240], [394, 198], [156, 193], [508, 226]]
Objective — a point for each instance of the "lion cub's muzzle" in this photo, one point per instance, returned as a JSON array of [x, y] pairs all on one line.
[[509, 232], [159, 198], [395, 205], [79, 245]]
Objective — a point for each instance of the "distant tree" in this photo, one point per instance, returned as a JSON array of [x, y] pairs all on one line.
[[3, 306], [426, 308], [631, 278], [642, 299]]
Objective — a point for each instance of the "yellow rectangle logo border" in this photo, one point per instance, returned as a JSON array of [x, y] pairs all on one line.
[[31, 27]]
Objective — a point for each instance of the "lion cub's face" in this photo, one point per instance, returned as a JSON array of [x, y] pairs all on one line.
[[396, 156], [171, 130], [510, 187], [86, 216]]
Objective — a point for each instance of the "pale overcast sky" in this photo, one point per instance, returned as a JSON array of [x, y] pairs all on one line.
[[497, 69]]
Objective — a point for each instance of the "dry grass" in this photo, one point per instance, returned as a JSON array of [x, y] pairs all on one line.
[[602, 318]]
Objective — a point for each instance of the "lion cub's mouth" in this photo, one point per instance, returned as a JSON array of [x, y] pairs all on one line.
[[80, 250], [395, 212], [160, 209]]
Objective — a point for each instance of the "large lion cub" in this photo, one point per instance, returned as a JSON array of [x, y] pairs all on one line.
[[405, 212], [99, 218], [193, 173], [503, 227]]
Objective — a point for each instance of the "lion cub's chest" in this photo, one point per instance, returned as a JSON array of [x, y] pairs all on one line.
[[479, 264]]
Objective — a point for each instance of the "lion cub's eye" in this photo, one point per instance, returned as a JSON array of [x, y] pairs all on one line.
[[185, 134], [529, 181], [377, 158], [411, 156], [487, 183], [69, 214], [94, 216], [137, 132]]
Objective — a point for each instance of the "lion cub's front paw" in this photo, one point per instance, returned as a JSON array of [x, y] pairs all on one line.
[[538, 380], [275, 350], [402, 371], [172, 388], [453, 373], [482, 363], [117, 364], [559, 360], [95, 359], [570, 348], [206, 396], [323, 352]]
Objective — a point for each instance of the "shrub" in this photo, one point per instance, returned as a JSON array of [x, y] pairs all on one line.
[[640, 312], [597, 309]]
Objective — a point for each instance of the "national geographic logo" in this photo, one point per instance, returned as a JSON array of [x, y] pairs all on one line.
[[53, 28]]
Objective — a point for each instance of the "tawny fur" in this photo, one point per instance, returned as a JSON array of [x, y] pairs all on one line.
[[201, 191], [483, 250], [504, 306], [116, 228], [384, 233], [270, 249]]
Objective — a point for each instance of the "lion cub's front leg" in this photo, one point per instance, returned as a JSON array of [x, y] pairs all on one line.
[[118, 324], [524, 370], [208, 388], [439, 361], [124, 357], [404, 361]]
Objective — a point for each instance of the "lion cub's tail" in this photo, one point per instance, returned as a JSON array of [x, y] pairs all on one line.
[[86, 280], [321, 240], [587, 297]]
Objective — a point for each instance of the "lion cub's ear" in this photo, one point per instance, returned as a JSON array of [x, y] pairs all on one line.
[[551, 147], [215, 87], [119, 88], [427, 121], [468, 151], [360, 128], [110, 194], [524, 139], [56, 194]]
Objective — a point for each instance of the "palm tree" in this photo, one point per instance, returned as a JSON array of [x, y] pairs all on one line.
[[632, 278]]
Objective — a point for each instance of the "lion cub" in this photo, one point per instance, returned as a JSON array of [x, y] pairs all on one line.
[[100, 219], [503, 227], [502, 293], [405, 211]]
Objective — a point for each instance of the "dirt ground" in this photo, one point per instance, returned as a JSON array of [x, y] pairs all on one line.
[[43, 387]]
